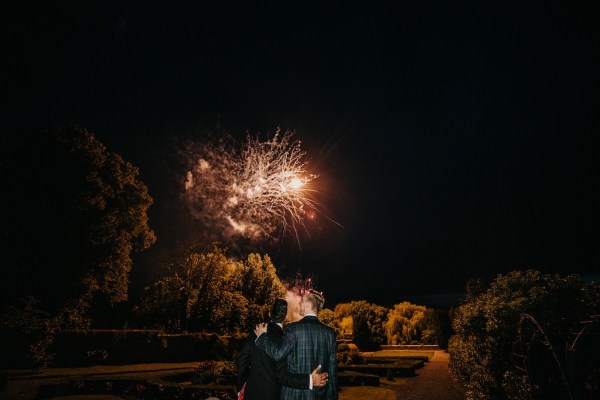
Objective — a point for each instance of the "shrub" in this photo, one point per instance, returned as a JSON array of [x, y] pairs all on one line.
[[347, 353], [27, 334], [486, 327], [219, 372], [405, 323]]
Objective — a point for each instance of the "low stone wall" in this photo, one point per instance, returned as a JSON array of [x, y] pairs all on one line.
[[357, 379], [113, 347], [381, 370], [96, 347], [410, 347], [135, 388]]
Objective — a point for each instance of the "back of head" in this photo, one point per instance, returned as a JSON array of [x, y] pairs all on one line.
[[279, 310], [316, 299]]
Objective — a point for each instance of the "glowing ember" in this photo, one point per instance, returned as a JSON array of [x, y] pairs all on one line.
[[296, 183]]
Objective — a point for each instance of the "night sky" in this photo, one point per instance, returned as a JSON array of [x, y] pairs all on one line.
[[452, 139]]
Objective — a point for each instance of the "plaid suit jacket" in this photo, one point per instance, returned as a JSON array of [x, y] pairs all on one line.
[[262, 375], [306, 344]]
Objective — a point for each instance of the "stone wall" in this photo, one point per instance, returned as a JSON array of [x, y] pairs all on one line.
[[410, 347]]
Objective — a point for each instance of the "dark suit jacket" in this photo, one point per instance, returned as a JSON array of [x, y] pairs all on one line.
[[263, 375], [306, 344]]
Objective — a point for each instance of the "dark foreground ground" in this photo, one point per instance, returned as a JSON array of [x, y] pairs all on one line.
[[433, 382]]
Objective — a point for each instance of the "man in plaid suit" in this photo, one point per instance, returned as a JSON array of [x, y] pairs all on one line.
[[261, 374], [306, 343]]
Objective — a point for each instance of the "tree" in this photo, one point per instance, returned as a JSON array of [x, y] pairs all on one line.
[[342, 310], [327, 317], [343, 316], [437, 328], [164, 305], [361, 335], [345, 325], [405, 323], [73, 214], [486, 325], [256, 280], [367, 322], [209, 291]]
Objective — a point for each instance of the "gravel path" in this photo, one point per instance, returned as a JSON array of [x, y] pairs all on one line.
[[433, 382]]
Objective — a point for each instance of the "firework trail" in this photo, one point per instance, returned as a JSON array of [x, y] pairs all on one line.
[[255, 191]]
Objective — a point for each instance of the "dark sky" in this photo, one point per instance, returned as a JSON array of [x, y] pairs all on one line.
[[453, 139]]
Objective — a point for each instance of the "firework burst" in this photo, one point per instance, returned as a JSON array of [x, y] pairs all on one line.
[[255, 191]]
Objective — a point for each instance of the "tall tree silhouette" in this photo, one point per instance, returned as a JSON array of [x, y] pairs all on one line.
[[72, 214]]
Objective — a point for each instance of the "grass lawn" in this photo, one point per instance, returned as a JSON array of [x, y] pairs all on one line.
[[23, 384], [27, 389], [366, 392], [92, 397]]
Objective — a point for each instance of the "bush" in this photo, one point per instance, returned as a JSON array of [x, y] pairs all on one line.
[[368, 324], [26, 335], [486, 328], [218, 372], [74, 348], [347, 353]]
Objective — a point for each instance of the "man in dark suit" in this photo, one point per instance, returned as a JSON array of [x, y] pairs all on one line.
[[263, 375], [306, 343]]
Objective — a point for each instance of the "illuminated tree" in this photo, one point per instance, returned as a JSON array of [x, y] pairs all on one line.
[[367, 322], [346, 325], [343, 310], [327, 317], [72, 214], [405, 323], [343, 316], [208, 291], [255, 278]]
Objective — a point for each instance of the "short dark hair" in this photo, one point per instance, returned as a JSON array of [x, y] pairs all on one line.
[[279, 310]]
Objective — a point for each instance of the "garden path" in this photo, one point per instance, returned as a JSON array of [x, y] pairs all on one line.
[[433, 382]]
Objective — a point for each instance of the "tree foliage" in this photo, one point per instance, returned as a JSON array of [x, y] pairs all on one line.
[[255, 279], [73, 212], [367, 322], [208, 291], [372, 325], [405, 323], [437, 329], [327, 317], [27, 333], [486, 324], [343, 316]]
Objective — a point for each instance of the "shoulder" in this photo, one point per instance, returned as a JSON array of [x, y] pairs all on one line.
[[292, 325], [326, 329], [251, 338], [314, 323], [274, 330], [330, 331]]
